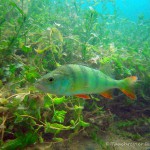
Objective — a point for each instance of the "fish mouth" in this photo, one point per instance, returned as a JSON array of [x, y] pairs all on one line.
[[42, 88], [39, 86]]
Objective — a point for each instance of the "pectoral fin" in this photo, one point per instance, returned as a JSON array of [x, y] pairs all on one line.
[[83, 96], [107, 94]]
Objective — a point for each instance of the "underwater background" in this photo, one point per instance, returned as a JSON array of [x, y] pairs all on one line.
[[37, 36]]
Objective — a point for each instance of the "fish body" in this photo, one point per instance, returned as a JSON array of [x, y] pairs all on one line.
[[80, 80]]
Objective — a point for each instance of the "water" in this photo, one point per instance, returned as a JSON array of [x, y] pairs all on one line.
[[37, 37]]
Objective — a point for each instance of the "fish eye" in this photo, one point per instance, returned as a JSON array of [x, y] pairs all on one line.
[[51, 79]]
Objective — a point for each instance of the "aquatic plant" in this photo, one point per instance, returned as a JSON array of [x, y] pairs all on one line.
[[38, 36]]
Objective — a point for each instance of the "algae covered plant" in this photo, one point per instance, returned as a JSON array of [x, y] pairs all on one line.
[[105, 41]]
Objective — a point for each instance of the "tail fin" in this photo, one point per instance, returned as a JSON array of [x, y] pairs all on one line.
[[126, 86]]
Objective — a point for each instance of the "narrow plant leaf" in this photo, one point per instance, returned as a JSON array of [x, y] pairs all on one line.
[[15, 6]]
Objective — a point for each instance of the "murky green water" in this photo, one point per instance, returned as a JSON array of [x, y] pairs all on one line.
[[36, 37]]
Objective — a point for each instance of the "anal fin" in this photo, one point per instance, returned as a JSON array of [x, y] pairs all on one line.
[[107, 94]]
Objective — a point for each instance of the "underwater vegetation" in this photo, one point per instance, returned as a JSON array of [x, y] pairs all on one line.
[[36, 37]]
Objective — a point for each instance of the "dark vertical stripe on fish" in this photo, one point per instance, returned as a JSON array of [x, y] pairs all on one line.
[[84, 73], [72, 72], [96, 78], [106, 81]]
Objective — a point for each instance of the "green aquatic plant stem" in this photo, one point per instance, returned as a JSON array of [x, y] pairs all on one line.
[[28, 116], [4, 119], [18, 94], [52, 101], [15, 37]]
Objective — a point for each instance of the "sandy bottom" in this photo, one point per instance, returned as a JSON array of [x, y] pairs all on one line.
[[113, 142]]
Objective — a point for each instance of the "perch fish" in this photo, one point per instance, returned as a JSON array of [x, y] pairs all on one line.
[[81, 81]]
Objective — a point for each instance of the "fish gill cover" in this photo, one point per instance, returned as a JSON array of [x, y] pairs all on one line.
[[36, 37]]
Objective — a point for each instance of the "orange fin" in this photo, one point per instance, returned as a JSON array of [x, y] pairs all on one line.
[[83, 96], [130, 93], [106, 94], [128, 87]]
